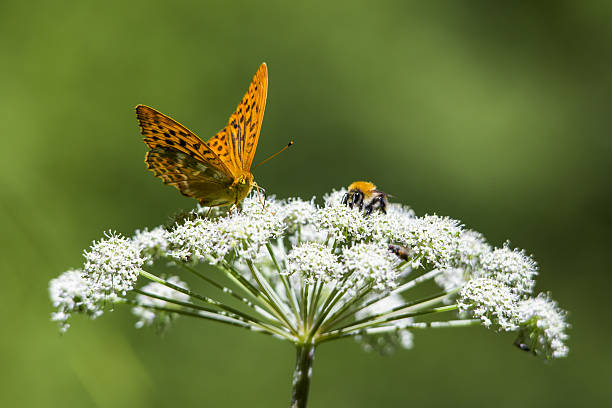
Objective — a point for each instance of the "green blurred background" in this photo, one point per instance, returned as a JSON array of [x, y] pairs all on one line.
[[495, 114]]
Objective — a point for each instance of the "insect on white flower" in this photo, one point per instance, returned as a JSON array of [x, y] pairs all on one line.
[[310, 274]]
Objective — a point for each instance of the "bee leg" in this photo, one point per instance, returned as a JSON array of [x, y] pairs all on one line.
[[378, 202], [349, 200], [382, 204], [358, 199], [352, 200]]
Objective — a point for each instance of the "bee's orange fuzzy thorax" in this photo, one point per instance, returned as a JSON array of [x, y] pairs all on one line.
[[364, 186]]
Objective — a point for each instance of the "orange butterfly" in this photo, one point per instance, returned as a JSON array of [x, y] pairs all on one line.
[[217, 172]]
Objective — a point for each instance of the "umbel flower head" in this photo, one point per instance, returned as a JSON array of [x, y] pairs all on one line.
[[310, 274]]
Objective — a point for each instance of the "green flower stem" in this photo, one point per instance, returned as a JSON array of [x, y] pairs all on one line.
[[315, 302], [356, 329], [443, 325], [332, 298], [276, 304], [425, 303], [419, 325], [222, 288], [402, 288], [208, 315], [334, 245], [185, 304], [340, 312], [286, 283], [419, 279], [235, 276], [302, 375], [255, 325], [208, 300], [413, 306], [341, 315], [305, 287], [259, 296], [399, 268]]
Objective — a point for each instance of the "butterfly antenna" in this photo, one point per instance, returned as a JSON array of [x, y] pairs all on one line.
[[288, 145]]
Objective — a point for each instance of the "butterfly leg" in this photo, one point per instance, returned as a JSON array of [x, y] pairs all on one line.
[[230, 212], [208, 212], [263, 203]]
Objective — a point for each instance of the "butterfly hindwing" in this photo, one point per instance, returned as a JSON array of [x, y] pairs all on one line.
[[191, 177], [161, 131]]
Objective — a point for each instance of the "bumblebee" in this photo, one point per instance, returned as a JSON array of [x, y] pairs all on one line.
[[364, 195]]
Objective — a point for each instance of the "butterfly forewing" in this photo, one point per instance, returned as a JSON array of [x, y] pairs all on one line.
[[161, 131], [237, 142], [254, 112]]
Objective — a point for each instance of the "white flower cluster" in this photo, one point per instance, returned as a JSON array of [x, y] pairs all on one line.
[[370, 263], [344, 252], [112, 265], [434, 240], [543, 327], [71, 293], [111, 268], [511, 267], [297, 213], [314, 262], [490, 301], [471, 248], [152, 244], [213, 239], [146, 312], [343, 224]]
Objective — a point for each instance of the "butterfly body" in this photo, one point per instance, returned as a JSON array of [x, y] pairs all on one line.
[[217, 172]]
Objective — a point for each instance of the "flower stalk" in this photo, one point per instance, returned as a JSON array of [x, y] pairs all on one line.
[[302, 374]]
